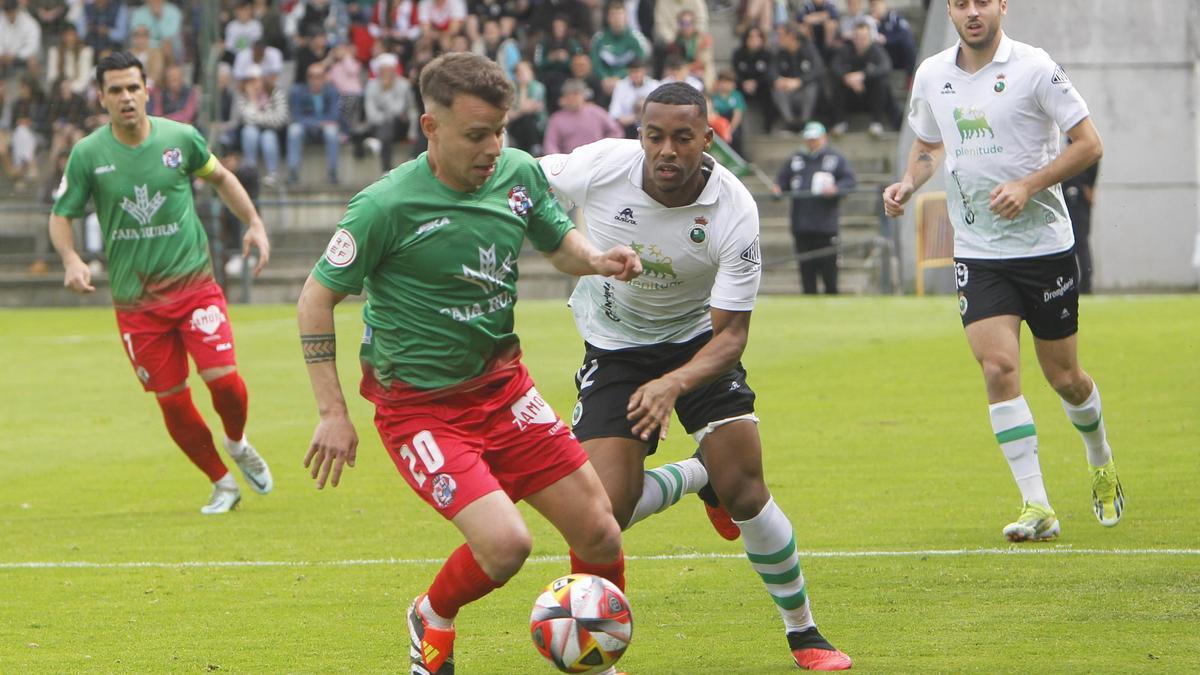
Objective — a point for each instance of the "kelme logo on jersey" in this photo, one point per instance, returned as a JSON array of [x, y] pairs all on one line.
[[144, 208], [518, 201], [342, 249], [172, 158], [699, 231]]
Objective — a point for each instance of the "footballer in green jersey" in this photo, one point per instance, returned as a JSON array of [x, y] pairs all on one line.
[[137, 171]]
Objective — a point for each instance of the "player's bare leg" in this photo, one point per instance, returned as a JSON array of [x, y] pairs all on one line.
[[1081, 401], [733, 453], [230, 401], [579, 508], [996, 344], [619, 463]]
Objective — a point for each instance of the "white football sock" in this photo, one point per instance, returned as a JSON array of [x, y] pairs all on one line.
[[226, 482], [1088, 419], [235, 448], [771, 547], [1012, 422], [431, 617], [664, 486]]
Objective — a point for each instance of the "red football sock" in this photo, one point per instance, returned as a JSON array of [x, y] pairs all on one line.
[[191, 434], [229, 400], [460, 581], [614, 572]]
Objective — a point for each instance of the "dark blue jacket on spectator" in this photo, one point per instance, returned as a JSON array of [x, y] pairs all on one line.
[[311, 109], [815, 214], [900, 43]]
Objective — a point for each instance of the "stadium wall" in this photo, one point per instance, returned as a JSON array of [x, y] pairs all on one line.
[[1138, 66]]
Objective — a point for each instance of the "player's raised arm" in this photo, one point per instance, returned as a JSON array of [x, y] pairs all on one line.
[[576, 255], [335, 442], [77, 276], [233, 195]]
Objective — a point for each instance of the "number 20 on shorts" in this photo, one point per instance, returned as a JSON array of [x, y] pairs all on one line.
[[427, 451]]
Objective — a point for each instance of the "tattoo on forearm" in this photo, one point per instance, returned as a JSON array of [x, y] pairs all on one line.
[[925, 157], [319, 347]]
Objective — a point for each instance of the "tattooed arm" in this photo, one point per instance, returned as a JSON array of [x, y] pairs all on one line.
[[335, 442], [923, 160]]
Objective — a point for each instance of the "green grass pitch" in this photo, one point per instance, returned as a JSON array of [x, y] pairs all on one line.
[[876, 439]]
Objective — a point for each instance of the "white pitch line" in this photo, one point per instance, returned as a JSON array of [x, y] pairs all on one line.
[[82, 564]]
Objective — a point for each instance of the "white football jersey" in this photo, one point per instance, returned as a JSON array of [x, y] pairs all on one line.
[[999, 124], [695, 257]]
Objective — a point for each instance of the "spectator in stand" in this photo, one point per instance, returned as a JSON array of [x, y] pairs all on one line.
[[389, 107], [797, 78], [627, 96], [754, 66], [226, 122], [616, 46], [53, 15], [267, 59], [820, 19], [29, 122], [678, 70], [165, 22], [577, 12], [581, 69], [728, 103], [20, 40], [345, 74], [67, 113], [442, 19], [527, 116], [494, 45], [267, 13], [154, 62], [314, 50], [313, 105], [501, 11], [854, 15], [71, 60], [262, 110], [552, 57], [816, 178], [175, 99], [862, 80], [694, 47], [666, 19], [578, 121], [1079, 192], [321, 16], [896, 35], [242, 33], [103, 24], [398, 30], [758, 14]]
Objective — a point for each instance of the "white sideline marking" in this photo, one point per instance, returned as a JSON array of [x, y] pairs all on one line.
[[82, 564]]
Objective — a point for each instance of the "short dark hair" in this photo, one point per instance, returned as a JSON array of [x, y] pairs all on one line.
[[678, 93], [465, 73], [118, 61]]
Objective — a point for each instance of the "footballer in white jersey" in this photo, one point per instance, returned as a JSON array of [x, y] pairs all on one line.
[[672, 340], [994, 108]]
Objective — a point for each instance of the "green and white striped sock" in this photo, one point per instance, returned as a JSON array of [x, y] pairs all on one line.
[[1012, 422], [771, 547], [1089, 420], [664, 486]]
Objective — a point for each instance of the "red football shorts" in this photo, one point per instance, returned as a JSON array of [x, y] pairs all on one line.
[[158, 339], [501, 435]]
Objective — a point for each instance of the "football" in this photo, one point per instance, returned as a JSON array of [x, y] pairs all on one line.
[[581, 623]]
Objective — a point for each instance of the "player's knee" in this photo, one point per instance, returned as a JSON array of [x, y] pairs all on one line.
[[1072, 385], [502, 556], [602, 543], [997, 370], [748, 502]]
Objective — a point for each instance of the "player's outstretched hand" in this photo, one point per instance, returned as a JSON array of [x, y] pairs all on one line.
[[894, 198], [1009, 199], [334, 445], [78, 277], [650, 407], [256, 236], [619, 262]]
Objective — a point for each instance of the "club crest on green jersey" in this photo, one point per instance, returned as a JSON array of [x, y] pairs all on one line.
[[172, 158], [518, 201]]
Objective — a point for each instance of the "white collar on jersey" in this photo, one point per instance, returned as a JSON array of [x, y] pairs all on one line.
[[708, 196], [1003, 52]]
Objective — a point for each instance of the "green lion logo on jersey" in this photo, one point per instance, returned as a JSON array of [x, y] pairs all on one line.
[[660, 267], [972, 124]]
